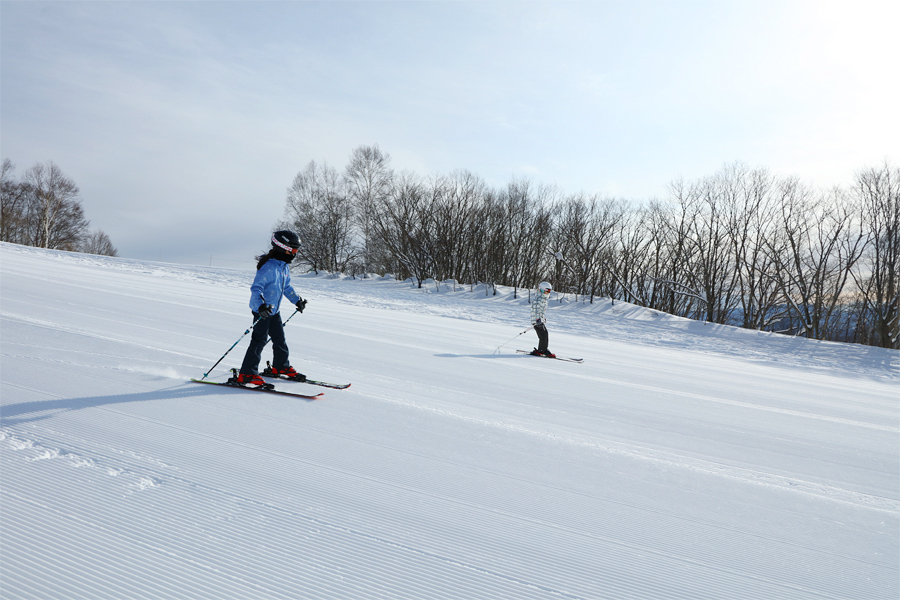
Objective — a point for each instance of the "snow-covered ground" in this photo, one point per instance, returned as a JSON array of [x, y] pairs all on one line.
[[681, 460]]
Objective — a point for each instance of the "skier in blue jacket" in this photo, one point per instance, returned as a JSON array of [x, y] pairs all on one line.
[[272, 281]]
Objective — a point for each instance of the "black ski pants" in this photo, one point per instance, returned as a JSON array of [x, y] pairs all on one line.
[[543, 336], [262, 331]]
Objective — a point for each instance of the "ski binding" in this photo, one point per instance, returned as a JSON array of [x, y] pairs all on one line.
[[267, 372]]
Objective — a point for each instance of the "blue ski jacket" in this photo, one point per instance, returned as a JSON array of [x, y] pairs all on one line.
[[272, 281]]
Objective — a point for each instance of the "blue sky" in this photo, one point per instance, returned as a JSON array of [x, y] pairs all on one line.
[[183, 123]]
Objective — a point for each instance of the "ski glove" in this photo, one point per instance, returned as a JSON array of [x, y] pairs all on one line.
[[265, 311], [301, 304]]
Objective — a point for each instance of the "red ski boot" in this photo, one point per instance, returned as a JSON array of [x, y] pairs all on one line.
[[289, 373], [246, 379]]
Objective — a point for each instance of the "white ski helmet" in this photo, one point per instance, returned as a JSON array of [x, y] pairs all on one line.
[[544, 287]]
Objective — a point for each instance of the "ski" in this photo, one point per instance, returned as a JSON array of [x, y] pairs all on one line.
[[334, 386], [270, 389], [267, 372], [565, 358]]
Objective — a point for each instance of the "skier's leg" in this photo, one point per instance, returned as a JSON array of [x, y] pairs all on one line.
[[279, 344], [543, 336], [250, 366]]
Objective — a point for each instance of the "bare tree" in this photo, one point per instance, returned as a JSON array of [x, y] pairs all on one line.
[[661, 261], [751, 223], [481, 241], [369, 180], [532, 212], [404, 222], [98, 243], [878, 279], [586, 226], [14, 200], [520, 207], [56, 219], [628, 264], [813, 252], [319, 210], [43, 209], [679, 293], [713, 266]]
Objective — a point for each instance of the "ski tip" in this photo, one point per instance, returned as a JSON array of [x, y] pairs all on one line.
[[334, 386]]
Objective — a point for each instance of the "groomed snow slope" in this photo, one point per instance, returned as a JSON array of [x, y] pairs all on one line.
[[681, 460]]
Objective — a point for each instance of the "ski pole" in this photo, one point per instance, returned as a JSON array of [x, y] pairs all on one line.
[[517, 335], [291, 317], [283, 324], [232, 348], [236, 343]]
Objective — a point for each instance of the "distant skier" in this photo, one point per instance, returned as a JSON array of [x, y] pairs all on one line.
[[538, 308], [272, 281]]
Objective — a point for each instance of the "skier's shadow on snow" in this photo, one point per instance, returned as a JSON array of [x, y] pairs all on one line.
[[37, 410]]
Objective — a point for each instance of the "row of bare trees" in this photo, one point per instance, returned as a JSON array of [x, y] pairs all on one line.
[[741, 247], [750, 249], [43, 210]]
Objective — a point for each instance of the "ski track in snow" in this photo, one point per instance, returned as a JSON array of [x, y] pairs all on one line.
[[682, 460], [675, 461]]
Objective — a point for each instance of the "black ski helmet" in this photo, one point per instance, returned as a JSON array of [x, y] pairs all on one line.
[[287, 241]]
